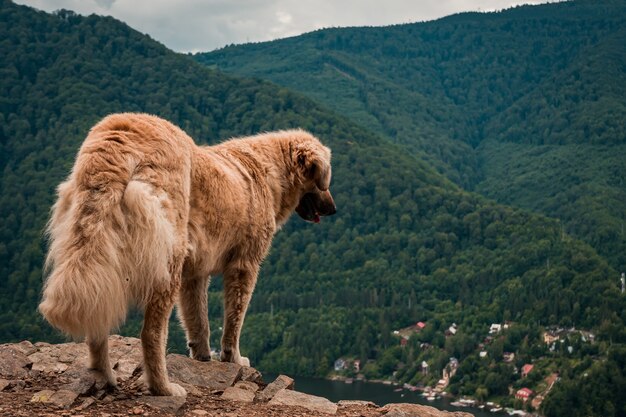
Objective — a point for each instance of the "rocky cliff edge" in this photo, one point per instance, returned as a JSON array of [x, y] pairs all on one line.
[[53, 380]]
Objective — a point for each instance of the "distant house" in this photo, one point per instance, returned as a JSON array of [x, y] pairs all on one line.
[[357, 365], [483, 354], [340, 364], [508, 357], [451, 331], [549, 338], [407, 332], [524, 394], [586, 336], [425, 368], [526, 369], [450, 369], [495, 328]]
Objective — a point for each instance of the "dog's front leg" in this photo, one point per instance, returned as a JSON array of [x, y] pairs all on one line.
[[193, 311], [238, 287]]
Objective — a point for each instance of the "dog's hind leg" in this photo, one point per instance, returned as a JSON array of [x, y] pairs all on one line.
[[192, 309], [99, 358], [238, 287], [154, 335]]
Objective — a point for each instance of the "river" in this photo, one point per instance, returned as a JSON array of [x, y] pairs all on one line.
[[379, 394]]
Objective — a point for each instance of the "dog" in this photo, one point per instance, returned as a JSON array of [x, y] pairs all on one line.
[[147, 216]]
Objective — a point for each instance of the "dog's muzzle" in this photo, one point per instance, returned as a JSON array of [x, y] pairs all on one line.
[[314, 205]]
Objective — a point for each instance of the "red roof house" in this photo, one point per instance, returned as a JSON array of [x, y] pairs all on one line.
[[420, 325], [526, 369], [524, 394]]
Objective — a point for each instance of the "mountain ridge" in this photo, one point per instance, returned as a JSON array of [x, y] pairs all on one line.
[[455, 91]]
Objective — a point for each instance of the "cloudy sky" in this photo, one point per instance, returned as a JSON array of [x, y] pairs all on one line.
[[204, 25]]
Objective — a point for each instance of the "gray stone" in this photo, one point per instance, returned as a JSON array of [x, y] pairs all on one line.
[[126, 356], [13, 363], [191, 389], [251, 374], [80, 386], [108, 399], [170, 404], [126, 367], [310, 402], [415, 410], [63, 398], [247, 385], [87, 402], [280, 383], [25, 347], [238, 394], [214, 375], [46, 361], [42, 396], [359, 403], [82, 380]]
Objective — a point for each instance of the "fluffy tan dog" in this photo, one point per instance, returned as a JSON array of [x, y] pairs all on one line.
[[146, 217]]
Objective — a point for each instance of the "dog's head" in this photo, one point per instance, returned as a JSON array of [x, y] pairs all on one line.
[[312, 160]]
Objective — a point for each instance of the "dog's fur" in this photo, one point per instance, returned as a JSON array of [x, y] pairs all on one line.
[[146, 217]]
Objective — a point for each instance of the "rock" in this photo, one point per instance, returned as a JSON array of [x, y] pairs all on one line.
[[238, 394], [46, 361], [126, 356], [126, 368], [191, 389], [213, 374], [3, 384], [25, 347], [42, 396], [280, 383], [198, 412], [57, 358], [170, 404], [86, 403], [17, 384], [251, 374], [415, 410], [63, 398], [13, 363], [137, 411], [357, 403], [247, 385], [99, 394], [108, 399], [310, 402]]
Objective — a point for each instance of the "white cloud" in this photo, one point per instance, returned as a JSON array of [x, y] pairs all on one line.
[[203, 25]]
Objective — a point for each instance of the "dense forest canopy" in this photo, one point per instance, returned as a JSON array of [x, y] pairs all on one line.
[[526, 106], [407, 243]]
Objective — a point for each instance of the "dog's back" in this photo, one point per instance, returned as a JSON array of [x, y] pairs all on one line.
[[115, 224]]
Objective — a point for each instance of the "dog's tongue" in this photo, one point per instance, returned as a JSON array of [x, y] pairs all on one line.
[[316, 219]]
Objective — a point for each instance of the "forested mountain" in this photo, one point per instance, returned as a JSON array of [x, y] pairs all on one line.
[[407, 244], [526, 106]]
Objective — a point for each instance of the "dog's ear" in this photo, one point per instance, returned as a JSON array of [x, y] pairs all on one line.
[[315, 165]]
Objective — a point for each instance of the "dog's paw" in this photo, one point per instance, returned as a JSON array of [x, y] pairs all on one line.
[[243, 361], [170, 389], [176, 390], [205, 357]]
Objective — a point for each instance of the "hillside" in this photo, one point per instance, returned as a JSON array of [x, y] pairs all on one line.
[[525, 106], [407, 244]]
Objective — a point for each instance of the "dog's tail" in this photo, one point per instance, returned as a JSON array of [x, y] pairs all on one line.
[[110, 244]]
